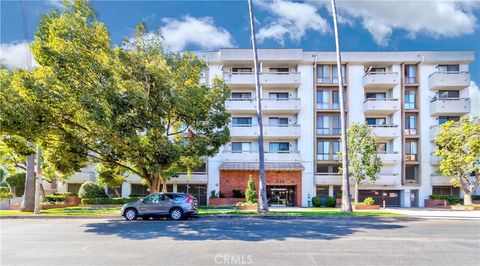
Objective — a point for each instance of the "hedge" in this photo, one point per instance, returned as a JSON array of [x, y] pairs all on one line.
[[317, 201], [453, 200], [108, 200], [92, 190], [17, 183], [475, 197]]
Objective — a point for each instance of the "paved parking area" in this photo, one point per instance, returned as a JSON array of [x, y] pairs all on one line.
[[241, 241]]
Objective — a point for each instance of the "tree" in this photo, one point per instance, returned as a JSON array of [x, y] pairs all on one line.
[[112, 176], [251, 191], [364, 162], [459, 151], [134, 107]]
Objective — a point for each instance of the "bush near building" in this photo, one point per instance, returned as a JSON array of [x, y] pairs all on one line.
[[92, 190], [106, 201], [251, 191], [58, 197], [16, 183], [453, 200], [329, 201], [5, 193]]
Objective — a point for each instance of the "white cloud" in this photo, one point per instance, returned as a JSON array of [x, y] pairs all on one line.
[[292, 20], [448, 18], [202, 32], [16, 54], [474, 92]]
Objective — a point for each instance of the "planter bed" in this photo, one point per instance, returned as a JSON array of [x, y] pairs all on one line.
[[55, 206], [246, 208], [435, 203], [366, 207], [224, 201], [465, 208]]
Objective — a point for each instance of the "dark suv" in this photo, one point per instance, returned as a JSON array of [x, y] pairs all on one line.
[[175, 205]]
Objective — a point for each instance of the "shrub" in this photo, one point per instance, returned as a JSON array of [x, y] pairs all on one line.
[[249, 204], [5, 193], [237, 193], [55, 199], [369, 201], [331, 202], [316, 202], [16, 183], [475, 197], [213, 194], [108, 200], [92, 190], [453, 200], [251, 191]]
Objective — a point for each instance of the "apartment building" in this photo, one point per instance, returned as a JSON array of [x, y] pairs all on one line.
[[403, 96]]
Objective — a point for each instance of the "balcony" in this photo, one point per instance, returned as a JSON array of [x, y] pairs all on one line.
[[281, 131], [328, 158], [389, 157], [385, 179], [439, 180], [380, 80], [195, 178], [381, 106], [328, 106], [267, 79], [241, 105], [252, 156], [450, 106], [328, 178], [385, 131], [410, 158], [244, 131], [277, 106], [449, 80]]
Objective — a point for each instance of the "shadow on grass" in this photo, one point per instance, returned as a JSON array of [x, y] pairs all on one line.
[[243, 228]]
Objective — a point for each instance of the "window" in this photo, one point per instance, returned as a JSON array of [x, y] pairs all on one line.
[[335, 100], [115, 192], [378, 70], [410, 124], [328, 99], [241, 121], [327, 169], [278, 121], [410, 99], [242, 69], [410, 74], [382, 147], [279, 69], [411, 172], [378, 95], [279, 147], [411, 150], [201, 169], [139, 190], [376, 121], [241, 95], [323, 150], [323, 125], [278, 95], [449, 94], [241, 147], [203, 77], [336, 124], [448, 68], [336, 149], [155, 198], [73, 188], [328, 74], [322, 191], [443, 119], [446, 190]]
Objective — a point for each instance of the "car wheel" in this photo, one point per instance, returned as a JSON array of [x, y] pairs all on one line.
[[176, 214], [131, 214]]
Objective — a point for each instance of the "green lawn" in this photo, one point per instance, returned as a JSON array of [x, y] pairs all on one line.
[[83, 211]]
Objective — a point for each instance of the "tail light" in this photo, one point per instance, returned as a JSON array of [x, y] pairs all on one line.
[[189, 200]]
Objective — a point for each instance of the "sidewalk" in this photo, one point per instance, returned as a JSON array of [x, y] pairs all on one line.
[[436, 213]]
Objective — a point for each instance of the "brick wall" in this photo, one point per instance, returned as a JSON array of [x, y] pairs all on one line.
[[234, 179]]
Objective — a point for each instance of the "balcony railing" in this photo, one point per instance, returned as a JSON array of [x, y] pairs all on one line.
[[381, 105], [266, 78], [411, 131], [385, 131], [389, 157], [328, 157], [329, 80], [380, 80], [328, 106], [449, 80], [270, 156], [440, 106], [328, 131], [410, 157]]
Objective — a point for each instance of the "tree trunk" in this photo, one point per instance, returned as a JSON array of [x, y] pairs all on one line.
[[153, 186], [117, 193], [164, 185], [467, 198], [356, 192], [42, 193], [28, 203]]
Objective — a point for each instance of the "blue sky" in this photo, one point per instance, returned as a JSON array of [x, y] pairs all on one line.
[[387, 25]]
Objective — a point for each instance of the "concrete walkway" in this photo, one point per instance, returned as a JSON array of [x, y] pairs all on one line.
[[436, 213]]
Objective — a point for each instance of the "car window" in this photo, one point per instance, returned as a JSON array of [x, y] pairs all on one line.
[[152, 199]]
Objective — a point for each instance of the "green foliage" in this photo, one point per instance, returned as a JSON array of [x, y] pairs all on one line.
[[246, 204], [213, 194], [5, 193], [55, 199], [110, 175], [459, 152], [251, 191], [453, 200], [135, 109], [109, 200], [316, 202], [331, 202], [368, 201], [475, 197], [364, 162], [91, 190], [16, 183]]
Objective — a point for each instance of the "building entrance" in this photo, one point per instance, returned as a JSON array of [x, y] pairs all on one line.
[[281, 195]]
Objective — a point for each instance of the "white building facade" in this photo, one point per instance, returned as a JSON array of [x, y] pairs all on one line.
[[403, 96]]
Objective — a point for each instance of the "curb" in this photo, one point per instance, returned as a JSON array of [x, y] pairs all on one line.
[[59, 217]]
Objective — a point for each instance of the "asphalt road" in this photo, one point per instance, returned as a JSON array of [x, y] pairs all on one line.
[[241, 241]]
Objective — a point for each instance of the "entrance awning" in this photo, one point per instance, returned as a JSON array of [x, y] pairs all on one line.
[[268, 166]]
